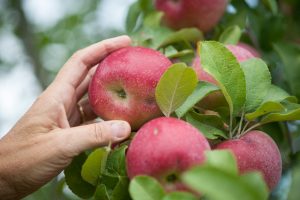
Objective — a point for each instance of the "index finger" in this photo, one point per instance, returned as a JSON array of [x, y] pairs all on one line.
[[77, 67]]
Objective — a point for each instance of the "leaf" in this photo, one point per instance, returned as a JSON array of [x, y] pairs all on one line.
[[74, 180], [179, 54], [275, 93], [121, 192], [272, 5], [289, 54], [145, 188], [173, 88], [146, 6], [202, 90], [258, 82], [291, 112], [219, 62], [185, 34], [220, 172], [101, 193], [179, 196], [209, 125], [218, 184], [295, 183], [116, 162], [265, 108], [91, 169], [134, 12], [153, 19], [231, 35], [222, 159]]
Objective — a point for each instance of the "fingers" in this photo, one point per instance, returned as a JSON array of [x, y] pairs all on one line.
[[83, 86], [77, 67], [83, 113], [78, 139]]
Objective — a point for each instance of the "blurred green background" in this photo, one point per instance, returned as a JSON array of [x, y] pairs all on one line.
[[38, 36]]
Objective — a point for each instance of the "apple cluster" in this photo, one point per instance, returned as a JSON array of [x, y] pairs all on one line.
[[123, 87]]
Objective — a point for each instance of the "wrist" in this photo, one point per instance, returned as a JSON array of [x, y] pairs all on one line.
[[6, 190]]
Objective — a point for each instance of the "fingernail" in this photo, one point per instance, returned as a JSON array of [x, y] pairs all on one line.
[[120, 129]]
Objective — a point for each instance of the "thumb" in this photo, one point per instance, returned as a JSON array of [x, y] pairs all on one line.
[[81, 138]]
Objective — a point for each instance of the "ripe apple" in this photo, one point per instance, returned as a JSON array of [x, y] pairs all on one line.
[[256, 151], [242, 52], [164, 148], [123, 86], [203, 14]]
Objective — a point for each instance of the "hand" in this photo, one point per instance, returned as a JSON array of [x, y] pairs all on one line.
[[47, 137]]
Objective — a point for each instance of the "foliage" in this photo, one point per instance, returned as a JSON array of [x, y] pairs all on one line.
[[260, 93]]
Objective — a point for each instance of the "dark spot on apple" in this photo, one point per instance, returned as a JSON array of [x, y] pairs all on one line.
[[171, 178], [121, 93], [175, 1], [150, 101]]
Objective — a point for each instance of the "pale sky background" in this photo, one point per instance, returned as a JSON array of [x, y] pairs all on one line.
[[19, 88]]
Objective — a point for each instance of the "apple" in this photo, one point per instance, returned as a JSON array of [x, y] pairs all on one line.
[[242, 52], [203, 14], [164, 148], [256, 151], [123, 86]]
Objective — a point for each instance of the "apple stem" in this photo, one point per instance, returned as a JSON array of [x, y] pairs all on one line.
[[245, 126], [241, 123], [230, 127], [251, 128]]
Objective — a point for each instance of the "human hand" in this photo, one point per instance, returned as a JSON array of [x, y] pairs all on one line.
[[47, 137]]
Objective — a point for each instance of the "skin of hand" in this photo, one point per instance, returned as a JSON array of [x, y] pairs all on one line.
[[44, 141]]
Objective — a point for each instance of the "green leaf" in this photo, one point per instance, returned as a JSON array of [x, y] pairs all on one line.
[[178, 54], [231, 35], [132, 17], [258, 82], [272, 5], [121, 192], [179, 196], [277, 94], [173, 88], [219, 62], [291, 112], [210, 125], [218, 184], [201, 91], [222, 159], [153, 19], [146, 6], [91, 169], [101, 193], [265, 108], [295, 183], [74, 180], [116, 162], [289, 54], [185, 34], [145, 188], [220, 172]]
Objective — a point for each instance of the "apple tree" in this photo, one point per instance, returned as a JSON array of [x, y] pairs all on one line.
[[235, 78]]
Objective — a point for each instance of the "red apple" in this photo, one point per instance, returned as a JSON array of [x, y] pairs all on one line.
[[203, 14], [164, 148], [256, 151], [242, 52], [123, 86]]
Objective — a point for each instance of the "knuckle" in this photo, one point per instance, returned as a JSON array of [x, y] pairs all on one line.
[[98, 134], [78, 55]]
